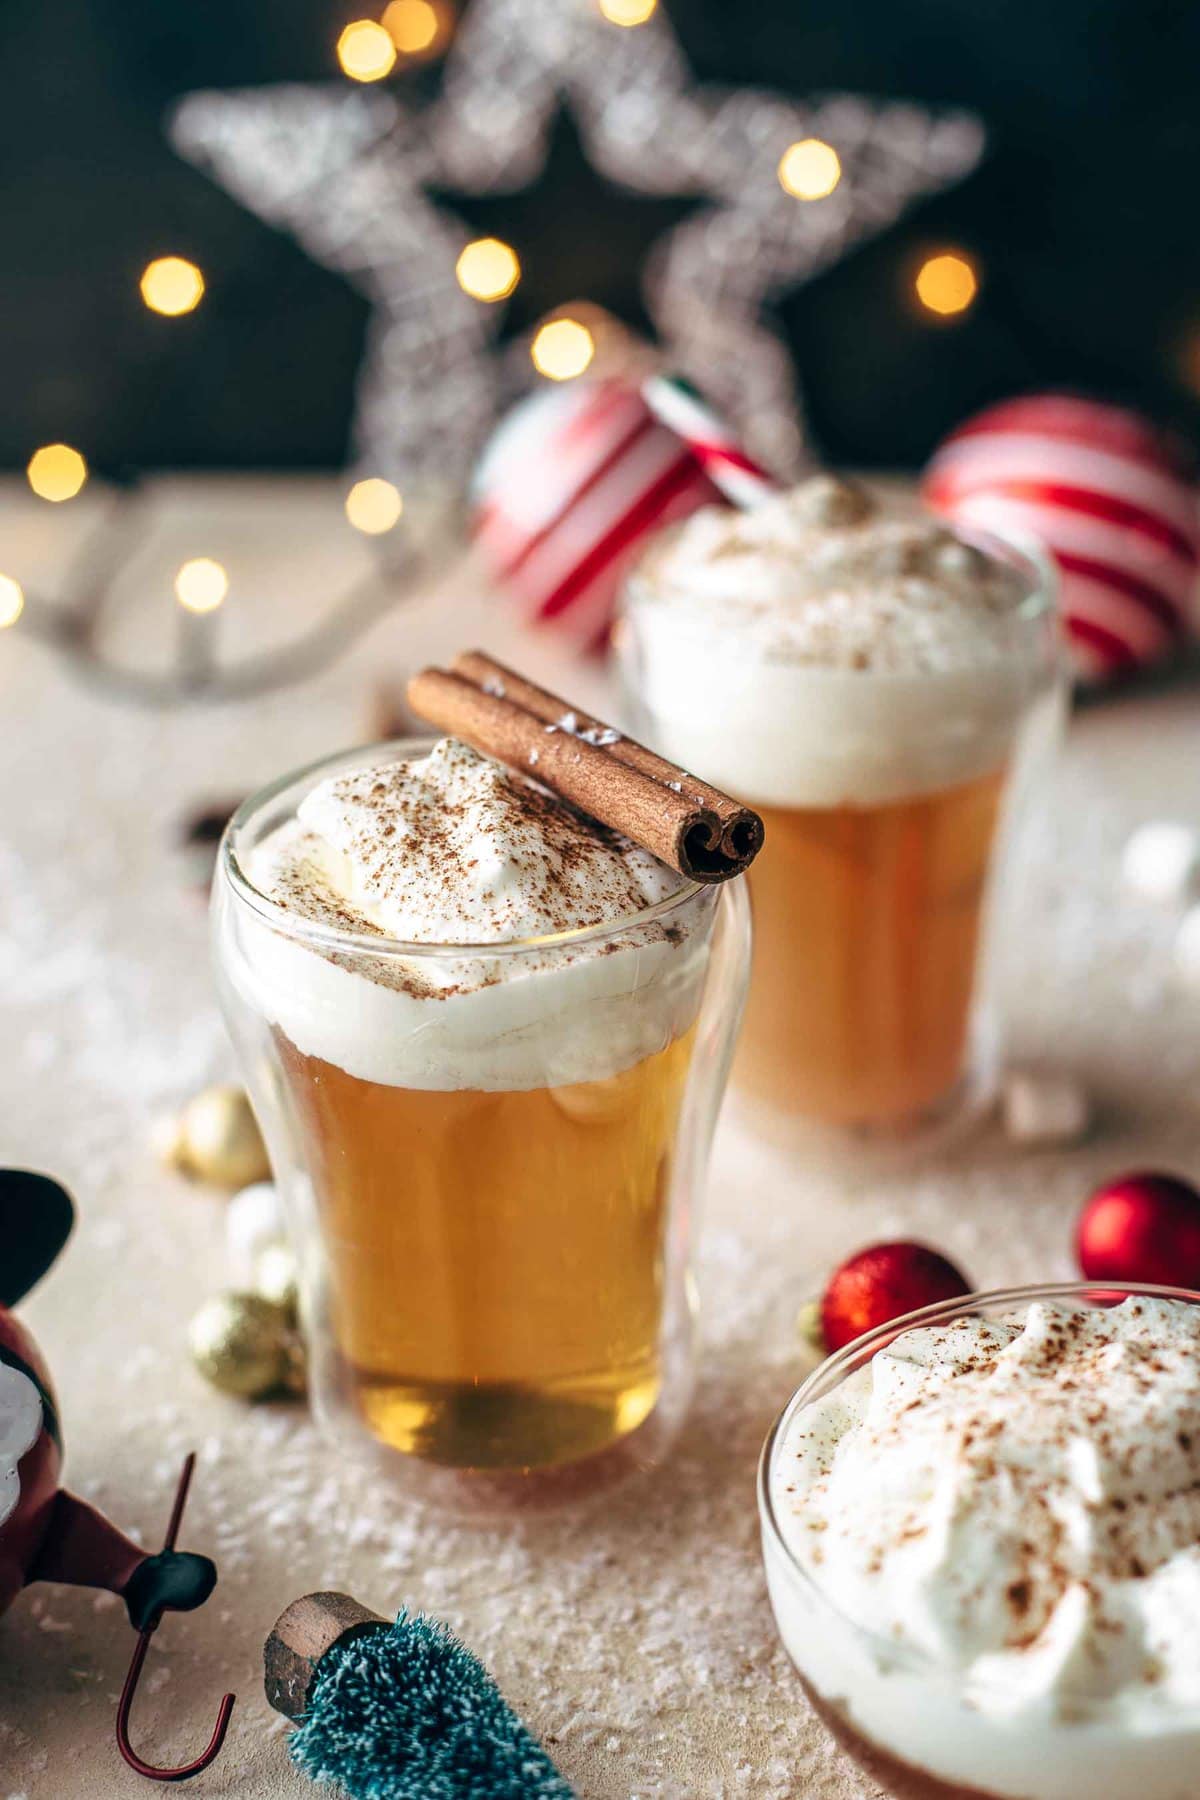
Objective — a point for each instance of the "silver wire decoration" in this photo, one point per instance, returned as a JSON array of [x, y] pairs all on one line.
[[348, 173], [347, 170]]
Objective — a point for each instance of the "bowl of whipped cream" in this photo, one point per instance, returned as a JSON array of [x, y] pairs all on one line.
[[981, 1535]]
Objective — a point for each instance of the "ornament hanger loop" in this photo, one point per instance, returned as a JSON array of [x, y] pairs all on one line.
[[209, 1755]]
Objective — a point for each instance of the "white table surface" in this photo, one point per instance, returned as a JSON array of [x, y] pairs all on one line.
[[636, 1640]]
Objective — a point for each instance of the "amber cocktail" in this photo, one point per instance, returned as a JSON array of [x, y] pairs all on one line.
[[490, 1148], [885, 694]]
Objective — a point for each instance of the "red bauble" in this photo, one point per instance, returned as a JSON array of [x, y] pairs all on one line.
[[568, 490], [880, 1284], [1142, 1227]]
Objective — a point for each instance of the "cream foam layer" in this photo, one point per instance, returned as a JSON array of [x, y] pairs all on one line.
[[452, 849], [1011, 1510], [817, 651]]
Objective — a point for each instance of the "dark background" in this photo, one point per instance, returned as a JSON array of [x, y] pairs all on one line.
[[1083, 221]]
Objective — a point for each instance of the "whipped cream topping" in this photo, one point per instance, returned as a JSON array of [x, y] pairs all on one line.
[[451, 848], [821, 575], [1017, 1502], [448, 849], [820, 650], [1020, 1499]]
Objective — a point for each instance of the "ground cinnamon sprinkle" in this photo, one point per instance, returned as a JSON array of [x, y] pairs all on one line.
[[1024, 1464], [455, 849]]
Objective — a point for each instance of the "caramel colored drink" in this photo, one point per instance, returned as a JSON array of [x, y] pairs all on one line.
[[875, 1027], [879, 689], [487, 1038], [496, 1259]]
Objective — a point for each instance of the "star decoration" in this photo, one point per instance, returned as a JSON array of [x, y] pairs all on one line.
[[352, 174], [576, 233]]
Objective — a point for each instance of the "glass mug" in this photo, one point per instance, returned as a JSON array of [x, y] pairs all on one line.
[[868, 1010], [495, 1280], [919, 1728]]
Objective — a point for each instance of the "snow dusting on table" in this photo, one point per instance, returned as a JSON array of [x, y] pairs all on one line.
[[635, 1639]]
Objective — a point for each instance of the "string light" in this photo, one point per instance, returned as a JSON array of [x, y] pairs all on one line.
[[12, 601], [171, 285], [366, 51], [628, 12], [562, 349], [373, 505], [416, 27], [56, 472], [947, 284], [809, 169], [488, 269], [1189, 358], [201, 584]]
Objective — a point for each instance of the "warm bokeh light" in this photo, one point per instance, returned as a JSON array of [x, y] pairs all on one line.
[[373, 505], [416, 27], [810, 169], [201, 585], [488, 269], [56, 472], [628, 12], [171, 285], [947, 284], [12, 601], [366, 51], [562, 349], [1189, 358]]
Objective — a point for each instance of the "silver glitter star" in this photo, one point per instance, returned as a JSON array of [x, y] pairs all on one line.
[[347, 172]]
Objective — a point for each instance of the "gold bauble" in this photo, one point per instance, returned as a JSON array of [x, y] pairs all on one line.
[[809, 1328], [240, 1343], [276, 1279], [219, 1139]]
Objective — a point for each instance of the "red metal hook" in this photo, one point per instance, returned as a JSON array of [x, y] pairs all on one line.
[[139, 1656]]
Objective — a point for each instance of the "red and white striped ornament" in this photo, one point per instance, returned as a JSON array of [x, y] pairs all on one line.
[[568, 490], [1112, 498]]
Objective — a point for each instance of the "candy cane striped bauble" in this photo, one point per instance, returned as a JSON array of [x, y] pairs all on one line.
[[566, 493], [1110, 497]]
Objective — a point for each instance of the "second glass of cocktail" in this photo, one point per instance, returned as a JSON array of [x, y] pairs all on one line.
[[884, 691], [487, 1040]]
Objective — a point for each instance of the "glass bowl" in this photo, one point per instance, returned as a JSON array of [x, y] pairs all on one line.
[[925, 1730]]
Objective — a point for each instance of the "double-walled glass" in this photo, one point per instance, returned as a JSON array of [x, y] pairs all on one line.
[[890, 799], [925, 1730], [491, 1156]]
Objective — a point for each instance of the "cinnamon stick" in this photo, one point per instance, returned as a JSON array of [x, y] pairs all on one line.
[[494, 677], [686, 823]]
